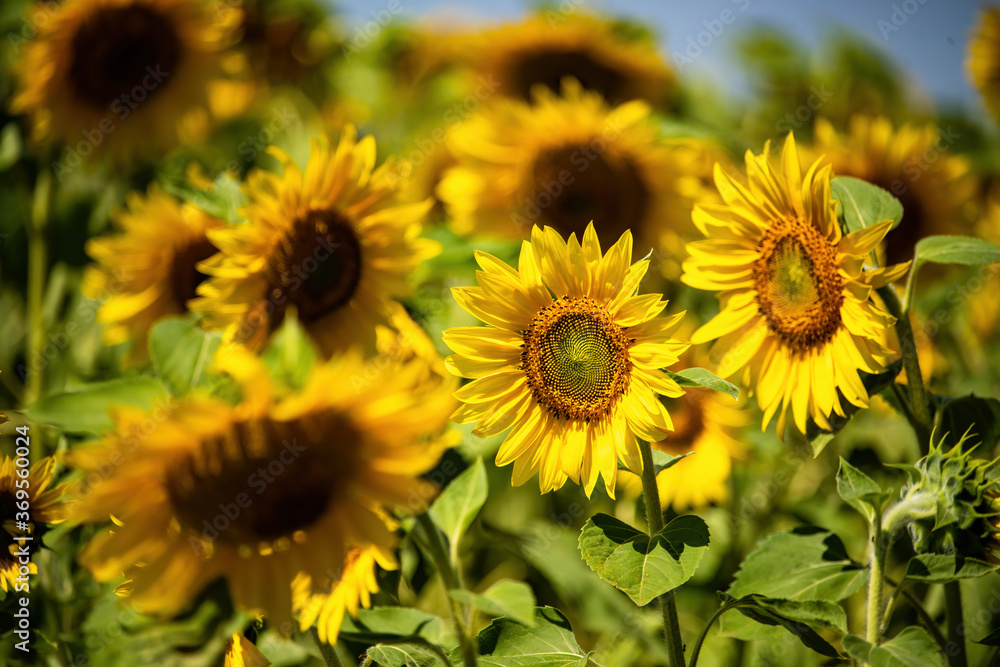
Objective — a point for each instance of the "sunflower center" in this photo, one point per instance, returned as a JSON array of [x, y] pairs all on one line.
[[263, 480], [574, 185], [184, 274], [799, 289], [576, 359], [123, 51], [688, 414], [550, 67], [316, 265]]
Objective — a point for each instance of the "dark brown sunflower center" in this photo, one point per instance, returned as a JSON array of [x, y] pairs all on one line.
[[799, 289], [126, 51], [576, 359], [688, 414], [550, 67], [316, 265], [263, 480], [184, 274], [575, 185]]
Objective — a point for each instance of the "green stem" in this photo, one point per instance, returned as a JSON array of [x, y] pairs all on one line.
[[37, 265], [919, 406], [654, 519], [953, 608], [708, 626], [926, 619], [328, 653], [876, 582], [438, 552]]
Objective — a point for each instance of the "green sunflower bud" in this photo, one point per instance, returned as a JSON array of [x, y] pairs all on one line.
[[951, 503]]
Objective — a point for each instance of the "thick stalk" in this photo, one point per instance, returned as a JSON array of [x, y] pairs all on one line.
[[876, 582], [37, 265], [328, 652], [919, 407], [956, 638], [708, 626], [438, 552], [654, 519]]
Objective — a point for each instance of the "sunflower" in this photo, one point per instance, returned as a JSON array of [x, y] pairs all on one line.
[[595, 52], [796, 310], [706, 423], [350, 591], [150, 270], [568, 160], [264, 492], [983, 63], [332, 242], [129, 77], [916, 164], [241, 652], [571, 359], [46, 506]]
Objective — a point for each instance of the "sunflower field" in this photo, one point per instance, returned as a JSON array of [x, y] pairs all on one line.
[[434, 334]]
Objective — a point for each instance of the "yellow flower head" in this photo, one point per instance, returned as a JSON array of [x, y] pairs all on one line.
[[265, 491], [568, 160], [45, 506], [983, 62], [332, 242], [127, 77], [796, 309], [149, 271], [540, 51], [570, 360], [917, 164]]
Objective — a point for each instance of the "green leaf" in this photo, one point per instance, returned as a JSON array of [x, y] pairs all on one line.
[[383, 624], [992, 639], [180, 351], [509, 598], [403, 655], [85, 410], [643, 567], [913, 647], [807, 563], [860, 491], [958, 415], [699, 377], [661, 461], [460, 502], [505, 643], [864, 204], [956, 250], [941, 568], [291, 355], [796, 617], [10, 146]]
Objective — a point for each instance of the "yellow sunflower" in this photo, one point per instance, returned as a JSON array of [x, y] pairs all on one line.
[[570, 360], [332, 242], [263, 492], [241, 652], [149, 271], [540, 51], [129, 77], [45, 506], [707, 423], [568, 160], [917, 164], [983, 62], [351, 590], [796, 309]]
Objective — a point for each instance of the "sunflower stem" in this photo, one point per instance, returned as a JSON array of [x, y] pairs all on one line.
[[438, 552], [328, 652], [708, 626], [920, 410], [876, 582], [956, 636], [654, 519], [37, 264]]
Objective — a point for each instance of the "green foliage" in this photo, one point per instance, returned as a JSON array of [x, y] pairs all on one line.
[[860, 491], [913, 647], [180, 351], [513, 599], [550, 643], [641, 566], [956, 250], [86, 409], [863, 204], [457, 506], [974, 415], [795, 617], [699, 377], [290, 355], [942, 568]]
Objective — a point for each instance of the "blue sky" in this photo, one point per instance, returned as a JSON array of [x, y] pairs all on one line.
[[929, 44]]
